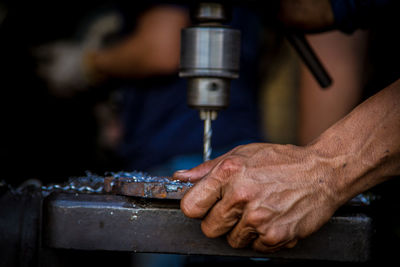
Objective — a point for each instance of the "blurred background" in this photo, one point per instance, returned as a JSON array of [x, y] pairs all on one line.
[[60, 119], [45, 135]]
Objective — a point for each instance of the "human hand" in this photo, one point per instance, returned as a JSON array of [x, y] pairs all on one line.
[[67, 65], [61, 65], [265, 194]]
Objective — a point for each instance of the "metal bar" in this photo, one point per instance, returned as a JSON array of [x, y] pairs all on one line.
[[118, 223], [20, 217]]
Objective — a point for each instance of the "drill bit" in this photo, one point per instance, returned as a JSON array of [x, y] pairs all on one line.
[[207, 137], [207, 116]]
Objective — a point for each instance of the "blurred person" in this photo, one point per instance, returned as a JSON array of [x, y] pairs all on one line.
[[155, 130], [44, 136], [147, 123]]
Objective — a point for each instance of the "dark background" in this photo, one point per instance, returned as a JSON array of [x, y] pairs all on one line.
[[52, 139]]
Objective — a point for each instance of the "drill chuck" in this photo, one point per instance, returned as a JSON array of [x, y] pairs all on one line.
[[210, 51], [209, 59]]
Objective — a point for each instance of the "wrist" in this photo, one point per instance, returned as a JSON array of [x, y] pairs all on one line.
[[363, 149], [341, 169]]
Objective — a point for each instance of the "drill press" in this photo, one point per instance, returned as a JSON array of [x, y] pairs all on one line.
[[210, 54]]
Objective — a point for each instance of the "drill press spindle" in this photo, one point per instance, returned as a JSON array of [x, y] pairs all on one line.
[[210, 54]]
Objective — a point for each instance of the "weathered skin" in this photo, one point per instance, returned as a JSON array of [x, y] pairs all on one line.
[[272, 195]]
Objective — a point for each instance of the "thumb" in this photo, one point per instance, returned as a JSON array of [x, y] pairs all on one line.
[[195, 174]]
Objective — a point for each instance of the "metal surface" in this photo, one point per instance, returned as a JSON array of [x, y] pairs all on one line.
[[134, 183], [151, 187], [117, 223], [20, 225]]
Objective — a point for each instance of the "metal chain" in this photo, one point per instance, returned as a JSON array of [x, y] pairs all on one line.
[[87, 185], [72, 188]]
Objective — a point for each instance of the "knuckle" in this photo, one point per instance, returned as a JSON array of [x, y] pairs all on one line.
[[227, 216], [240, 196], [212, 183], [230, 165], [273, 237], [239, 147], [254, 219]]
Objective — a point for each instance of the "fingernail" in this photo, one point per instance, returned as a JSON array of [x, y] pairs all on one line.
[[181, 171]]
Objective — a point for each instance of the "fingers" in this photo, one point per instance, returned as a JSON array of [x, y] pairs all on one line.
[[242, 235], [261, 246], [274, 238], [195, 174], [291, 244], [254, 228], [200, 198], [221, 218]]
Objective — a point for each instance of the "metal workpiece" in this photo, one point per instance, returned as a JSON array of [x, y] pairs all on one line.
[[210, 51], [156, 187], [117, 223], [137, 184]]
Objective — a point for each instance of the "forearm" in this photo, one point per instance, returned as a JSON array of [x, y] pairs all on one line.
[[153, 49], [363, 149], [344, 57], [126, 60]]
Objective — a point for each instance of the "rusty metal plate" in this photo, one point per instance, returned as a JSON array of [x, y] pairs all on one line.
[[141, 185]]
